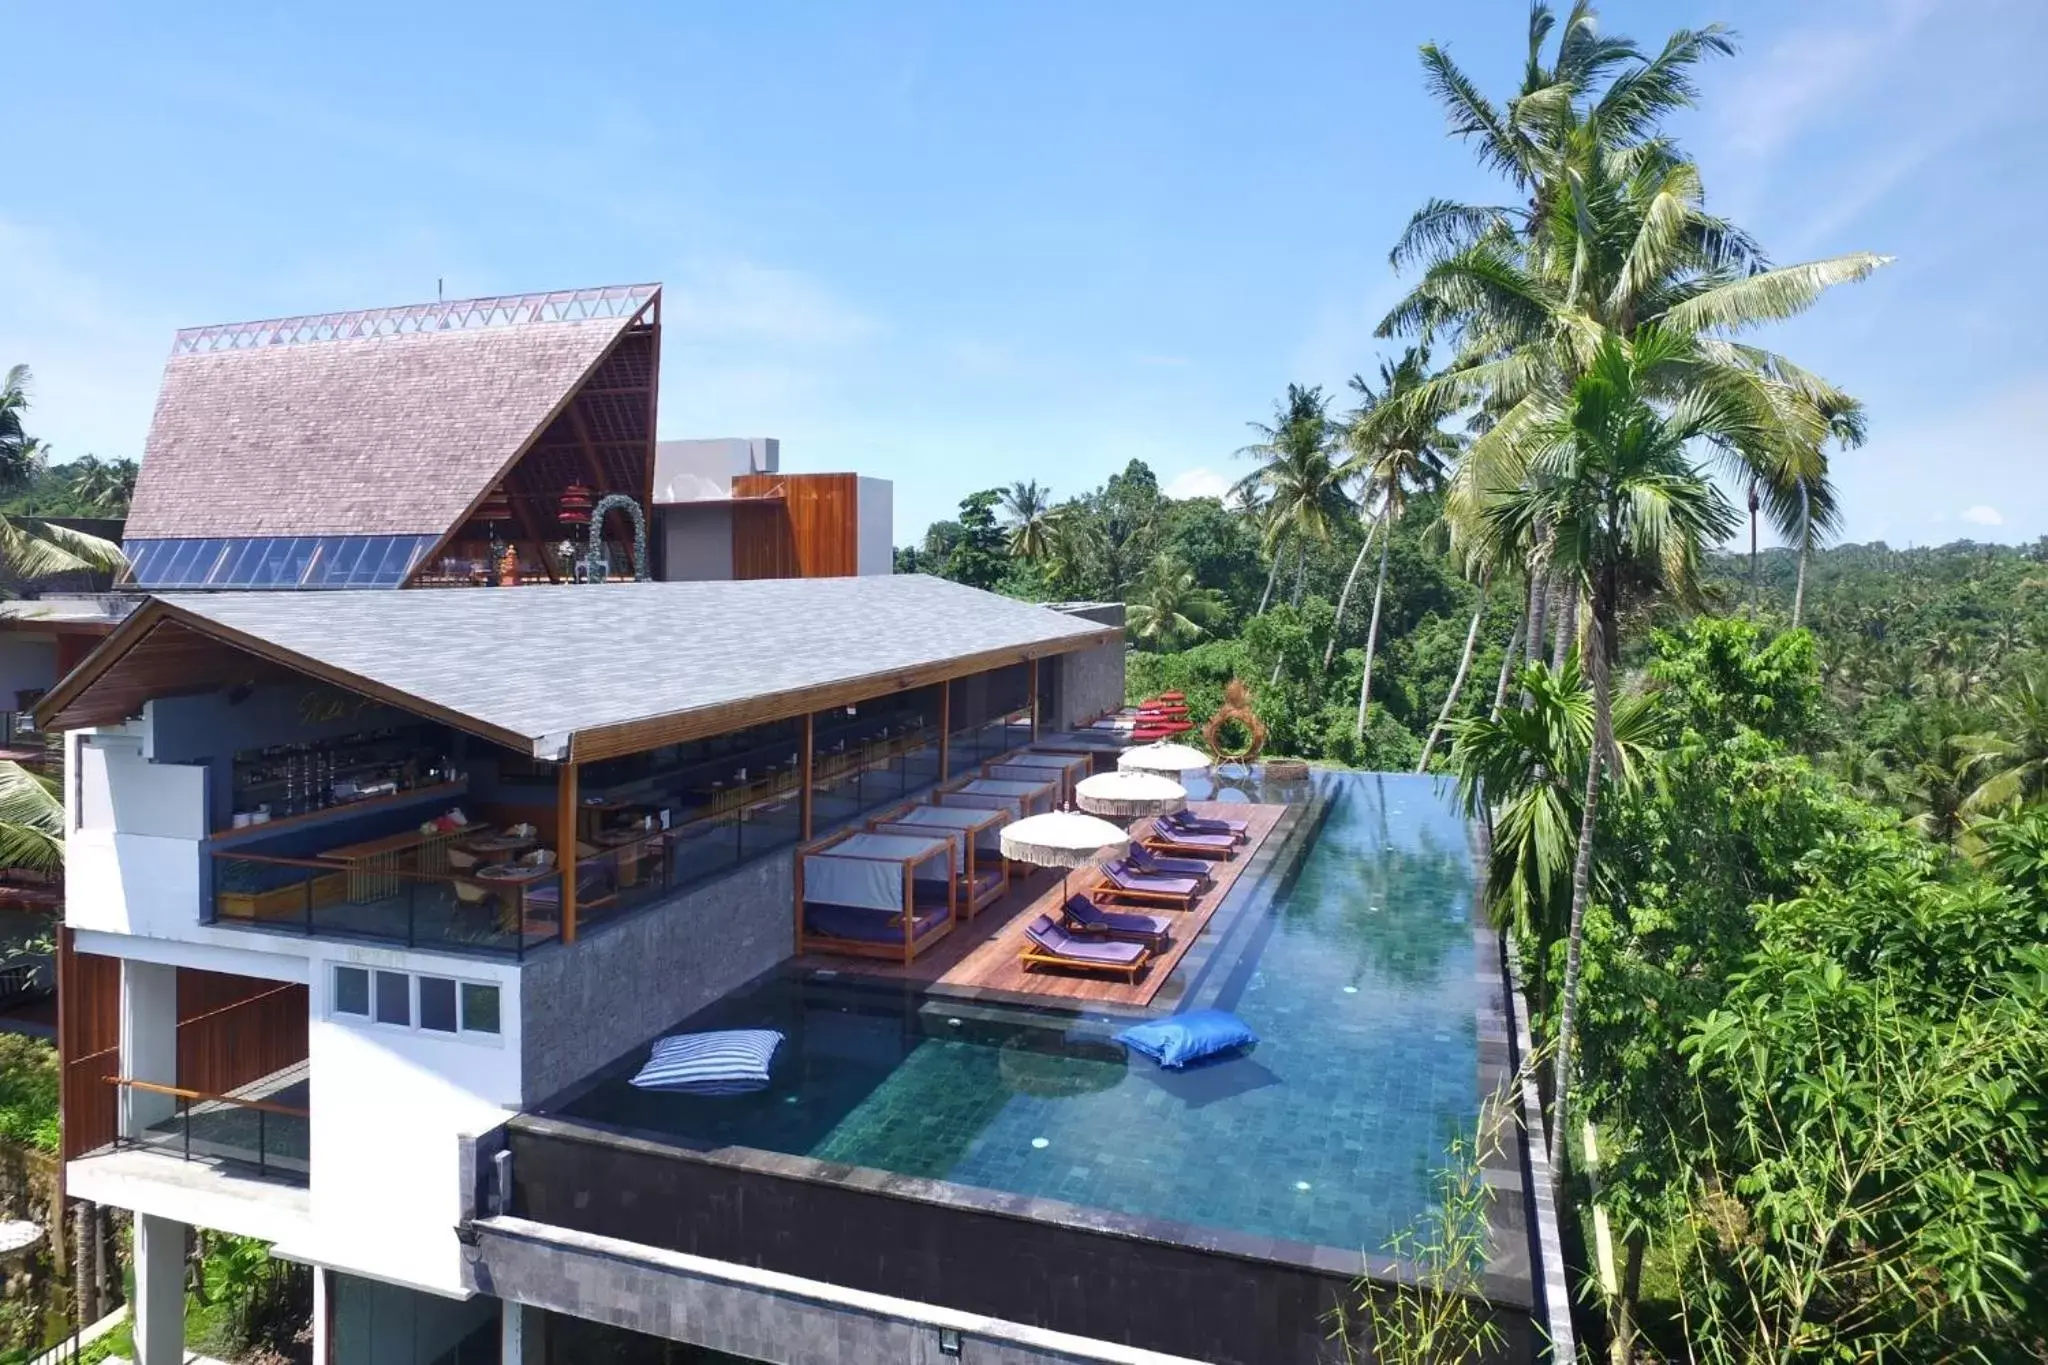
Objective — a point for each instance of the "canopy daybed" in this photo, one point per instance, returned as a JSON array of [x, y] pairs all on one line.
[[984, 875], [875, 895], [1034, 766]]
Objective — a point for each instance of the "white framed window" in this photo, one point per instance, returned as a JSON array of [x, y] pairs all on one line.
[[416, 1002]]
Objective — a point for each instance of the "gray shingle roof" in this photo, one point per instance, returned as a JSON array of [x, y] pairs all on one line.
[[362, 436], [545, 662]]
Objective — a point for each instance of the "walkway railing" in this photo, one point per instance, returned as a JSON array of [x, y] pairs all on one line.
[[275, 1141]]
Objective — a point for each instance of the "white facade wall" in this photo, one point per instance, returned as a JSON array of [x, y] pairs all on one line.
[[388, 1104]]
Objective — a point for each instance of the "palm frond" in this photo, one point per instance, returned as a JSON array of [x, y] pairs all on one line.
[[1441, 226], [31, 548], [31, 820], [1771, 295], [1470, 114]]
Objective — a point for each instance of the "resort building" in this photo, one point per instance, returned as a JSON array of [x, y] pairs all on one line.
[[415, 932]]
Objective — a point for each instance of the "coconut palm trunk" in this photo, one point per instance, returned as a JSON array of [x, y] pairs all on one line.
[[1805, 547], [1567, 628], [1754, 501], [1539, 599], [1350, 581], [1507, 665], [1372, 640], [1443, 717], [1272, 577], [1582, 876]]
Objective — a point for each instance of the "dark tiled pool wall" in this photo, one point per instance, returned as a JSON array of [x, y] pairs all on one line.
[[1028, 1262], [623, 983]]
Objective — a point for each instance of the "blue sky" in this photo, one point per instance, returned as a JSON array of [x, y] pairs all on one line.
[[954, 245]]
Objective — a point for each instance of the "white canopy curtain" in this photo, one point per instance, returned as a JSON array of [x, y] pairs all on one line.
[[866, 870]]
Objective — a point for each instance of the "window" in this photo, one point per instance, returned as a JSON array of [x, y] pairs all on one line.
[[352, 991], [431, 1004], [437, 1004], [479, 1008], [394, 998]]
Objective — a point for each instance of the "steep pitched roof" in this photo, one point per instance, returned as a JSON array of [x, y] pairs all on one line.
[[603, 670], [373, 423]]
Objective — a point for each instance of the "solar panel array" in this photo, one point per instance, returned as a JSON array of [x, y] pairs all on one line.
[[276, 561]]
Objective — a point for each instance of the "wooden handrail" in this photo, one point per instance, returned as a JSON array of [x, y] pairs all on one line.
[[177, 1092]]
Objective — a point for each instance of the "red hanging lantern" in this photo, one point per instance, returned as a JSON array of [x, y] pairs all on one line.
[[575, 505]]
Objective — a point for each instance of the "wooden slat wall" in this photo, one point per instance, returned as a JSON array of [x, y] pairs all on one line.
[[818, 535], [233, 1030], [88, 1045], [763, 545]]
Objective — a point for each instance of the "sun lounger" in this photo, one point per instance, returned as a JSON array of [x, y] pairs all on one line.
[[1166, 839], [1184, 822], [1083, 916], [1124, 884], [1149, 864], [1048, 945]]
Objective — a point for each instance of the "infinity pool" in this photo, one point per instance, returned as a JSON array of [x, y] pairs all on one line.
[[1352, 957]]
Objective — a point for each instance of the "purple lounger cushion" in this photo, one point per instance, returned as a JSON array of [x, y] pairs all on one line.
[[1088, 917], [1052, 939], [1190, 838], [1128, 880], [1206, 824], [1145, 862]]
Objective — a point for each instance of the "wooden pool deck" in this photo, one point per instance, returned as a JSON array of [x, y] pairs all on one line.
[[981, 954]]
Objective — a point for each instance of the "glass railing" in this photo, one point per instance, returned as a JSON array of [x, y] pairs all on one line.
[[267, 1135], [503, 916], [634, 868]]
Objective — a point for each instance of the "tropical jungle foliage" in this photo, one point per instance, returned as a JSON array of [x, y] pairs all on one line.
[[1771, 828]]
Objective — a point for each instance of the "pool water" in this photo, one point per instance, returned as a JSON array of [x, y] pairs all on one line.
[[1352, 958]]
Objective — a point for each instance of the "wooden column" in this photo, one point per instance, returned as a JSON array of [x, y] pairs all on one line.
[[945, 728], [565, 845], [1032, 664], [803, 772]]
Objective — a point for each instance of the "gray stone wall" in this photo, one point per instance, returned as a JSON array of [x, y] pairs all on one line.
[[624, 982], [753, 1313], [1091, 682]]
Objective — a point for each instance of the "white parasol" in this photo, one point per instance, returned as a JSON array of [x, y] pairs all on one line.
[[1162, 758], [1130, 795], [1064, 839]]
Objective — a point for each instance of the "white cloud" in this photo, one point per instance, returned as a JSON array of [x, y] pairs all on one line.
[[1984, 454], [1803, 77], [1199, 482]]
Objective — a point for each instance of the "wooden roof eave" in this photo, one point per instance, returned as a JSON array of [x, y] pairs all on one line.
[[675, 727], [580, 745], [74, 686]]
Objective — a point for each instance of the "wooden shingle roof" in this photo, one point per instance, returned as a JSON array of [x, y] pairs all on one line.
[[370, 423]]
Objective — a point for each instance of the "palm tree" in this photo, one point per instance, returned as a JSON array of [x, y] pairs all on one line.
[[1443, 717], [104, 486], [1170, 609], [1384, 431], [31, 548], [1515, 774], [22, 456], [31, 820], [1610, 475], [2013, 756], [1614, 237], [1397, 450], [1028, 506], [1297, 486]]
